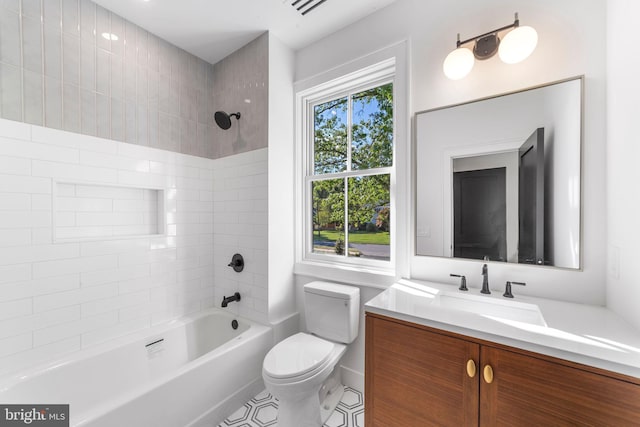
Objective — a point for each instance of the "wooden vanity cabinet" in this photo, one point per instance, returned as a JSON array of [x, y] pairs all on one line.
[[420, 376], [417, 378], [530, 390]]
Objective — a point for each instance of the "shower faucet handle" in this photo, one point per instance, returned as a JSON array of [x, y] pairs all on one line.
[[463, 282], [237, 263]]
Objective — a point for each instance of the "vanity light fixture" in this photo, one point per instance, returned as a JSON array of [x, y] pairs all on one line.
[[516, 45]]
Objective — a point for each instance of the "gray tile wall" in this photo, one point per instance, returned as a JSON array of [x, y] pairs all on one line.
[[57, 70], [240, 84]]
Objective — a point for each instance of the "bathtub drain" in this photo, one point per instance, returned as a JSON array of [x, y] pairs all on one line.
[[234, 324]]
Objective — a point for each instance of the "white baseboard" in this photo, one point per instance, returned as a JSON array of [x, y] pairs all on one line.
[[353, 379]]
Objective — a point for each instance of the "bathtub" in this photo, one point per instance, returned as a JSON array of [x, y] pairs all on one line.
[[189, 372]]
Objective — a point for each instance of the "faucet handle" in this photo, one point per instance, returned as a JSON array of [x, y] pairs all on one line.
[[463, 282], [237, 263], [507, 288]]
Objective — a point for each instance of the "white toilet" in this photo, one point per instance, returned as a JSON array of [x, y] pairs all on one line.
[[299, 371]]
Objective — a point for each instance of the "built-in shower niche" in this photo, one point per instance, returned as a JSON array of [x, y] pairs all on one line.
[[85, 211]]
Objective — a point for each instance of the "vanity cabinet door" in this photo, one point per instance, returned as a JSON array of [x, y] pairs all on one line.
[[528, 390], [415, 377]]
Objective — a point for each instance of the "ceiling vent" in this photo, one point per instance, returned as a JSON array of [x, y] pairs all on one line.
[[306, 6]]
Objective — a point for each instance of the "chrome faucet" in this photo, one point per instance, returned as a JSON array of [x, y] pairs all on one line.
[[485, 280]]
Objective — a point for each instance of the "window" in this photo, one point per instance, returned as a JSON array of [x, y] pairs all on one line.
[[348, 170]]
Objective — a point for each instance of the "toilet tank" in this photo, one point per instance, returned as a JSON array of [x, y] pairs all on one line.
[[332, 310]]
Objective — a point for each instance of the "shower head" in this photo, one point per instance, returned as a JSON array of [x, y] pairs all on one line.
[[224, 120]]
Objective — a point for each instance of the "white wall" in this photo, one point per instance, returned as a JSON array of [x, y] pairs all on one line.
[[281, 155], [623, 203], [572, 40]]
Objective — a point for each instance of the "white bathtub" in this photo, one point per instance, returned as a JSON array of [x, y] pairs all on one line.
[[189, 372]]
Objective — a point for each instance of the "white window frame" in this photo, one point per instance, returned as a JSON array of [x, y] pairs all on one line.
[[380, 68]]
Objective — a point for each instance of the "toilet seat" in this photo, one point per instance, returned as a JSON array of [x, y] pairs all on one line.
[[298, 357]]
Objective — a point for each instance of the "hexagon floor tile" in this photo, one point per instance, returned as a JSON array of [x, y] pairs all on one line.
[[262, 410]]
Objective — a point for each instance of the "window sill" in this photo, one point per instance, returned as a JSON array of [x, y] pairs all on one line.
[[354, 275]]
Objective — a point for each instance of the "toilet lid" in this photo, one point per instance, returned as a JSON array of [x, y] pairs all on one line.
[[296, 355]]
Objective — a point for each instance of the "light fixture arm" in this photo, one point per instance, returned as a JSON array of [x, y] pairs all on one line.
[[516, 24]]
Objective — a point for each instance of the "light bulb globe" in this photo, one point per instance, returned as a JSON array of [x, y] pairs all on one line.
[[458, 63], [517, 45]]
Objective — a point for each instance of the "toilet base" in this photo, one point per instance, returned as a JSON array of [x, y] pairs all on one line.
[[300, 398], [308, 411], [330, 403], [301, 412], [330, 394]]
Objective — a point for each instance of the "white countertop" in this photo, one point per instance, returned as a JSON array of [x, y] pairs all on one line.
[[585, 334]]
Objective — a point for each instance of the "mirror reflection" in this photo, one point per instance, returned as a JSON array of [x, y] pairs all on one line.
[[499, 179]]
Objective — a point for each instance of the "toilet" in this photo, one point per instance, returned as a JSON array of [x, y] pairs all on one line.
[[300, 370]]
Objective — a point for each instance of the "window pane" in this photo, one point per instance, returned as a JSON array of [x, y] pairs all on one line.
[[369, 216], [328, 216], [372, 132], [330, 136]]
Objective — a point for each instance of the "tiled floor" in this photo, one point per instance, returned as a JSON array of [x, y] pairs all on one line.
[[262, 410]]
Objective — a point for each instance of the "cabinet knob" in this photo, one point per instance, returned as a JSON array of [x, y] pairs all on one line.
[[471, 368], [488, 374]]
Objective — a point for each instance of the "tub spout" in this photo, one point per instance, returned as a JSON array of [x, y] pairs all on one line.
[[227, 300]]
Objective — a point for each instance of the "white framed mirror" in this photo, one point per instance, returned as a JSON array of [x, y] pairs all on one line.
[[499, 178]]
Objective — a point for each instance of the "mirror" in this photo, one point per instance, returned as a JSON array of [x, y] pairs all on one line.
[[499, 178]]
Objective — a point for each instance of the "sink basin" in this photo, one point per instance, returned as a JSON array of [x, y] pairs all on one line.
[[417, 298], [491, 308]]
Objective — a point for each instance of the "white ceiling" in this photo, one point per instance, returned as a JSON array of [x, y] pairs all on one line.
[[212, 29]]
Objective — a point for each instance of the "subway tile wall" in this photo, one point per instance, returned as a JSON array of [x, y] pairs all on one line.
[[89, 211], [240, 213], [241, 84], [57, 298], [58, 71]]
